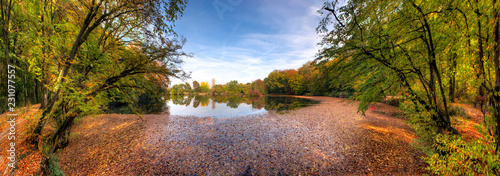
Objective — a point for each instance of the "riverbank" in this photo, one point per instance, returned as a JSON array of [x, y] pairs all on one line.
[[329, 138]]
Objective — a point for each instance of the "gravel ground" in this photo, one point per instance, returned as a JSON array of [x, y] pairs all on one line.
[[329, 138]]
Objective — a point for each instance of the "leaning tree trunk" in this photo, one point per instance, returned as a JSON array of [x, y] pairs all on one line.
[[83, 34]]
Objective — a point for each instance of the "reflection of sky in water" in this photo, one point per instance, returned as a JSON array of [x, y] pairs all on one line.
[[221, 110]]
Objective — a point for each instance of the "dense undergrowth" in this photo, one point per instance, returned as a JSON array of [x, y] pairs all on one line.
[[451, 154]]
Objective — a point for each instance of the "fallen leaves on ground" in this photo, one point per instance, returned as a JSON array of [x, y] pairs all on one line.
[[27, 160], [326, 139]]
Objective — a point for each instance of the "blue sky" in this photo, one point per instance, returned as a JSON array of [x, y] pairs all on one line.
[[245, 40]]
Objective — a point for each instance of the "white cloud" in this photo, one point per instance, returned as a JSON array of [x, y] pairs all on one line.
[[254, 55]]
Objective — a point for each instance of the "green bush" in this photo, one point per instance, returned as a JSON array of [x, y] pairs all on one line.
[[449, 154], [393, 102], [455, 111], [54, 166], [455, 156], [422, 123], [52, 163]]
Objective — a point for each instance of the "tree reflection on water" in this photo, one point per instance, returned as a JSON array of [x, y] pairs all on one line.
[[280, 104]]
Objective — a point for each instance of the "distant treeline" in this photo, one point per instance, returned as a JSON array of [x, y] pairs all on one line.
[[309, 79], [256, 88]]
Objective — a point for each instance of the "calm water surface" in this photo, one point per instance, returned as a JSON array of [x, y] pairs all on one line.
[[232, 106]]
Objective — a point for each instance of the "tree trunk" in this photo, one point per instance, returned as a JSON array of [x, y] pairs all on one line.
[[38, 129], [44, 82], [62, 129], [435, 76], [80, 38], [3, 84], [36, 97], [6, 44], [44, 89], [481, 92], [5, 36], [451, 92], [25, 85]]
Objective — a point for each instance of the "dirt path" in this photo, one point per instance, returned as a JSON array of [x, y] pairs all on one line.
[[326, 139]]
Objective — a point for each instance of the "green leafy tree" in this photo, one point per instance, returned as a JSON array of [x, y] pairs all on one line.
[[306, 72], [178, 89], [233, 87], [219, 89], [388, 53], [116, 46], [245, 88], [421, 51], [277, 82], [297, 84]]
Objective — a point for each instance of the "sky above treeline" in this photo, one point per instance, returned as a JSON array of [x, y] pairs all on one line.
[[245, 40]]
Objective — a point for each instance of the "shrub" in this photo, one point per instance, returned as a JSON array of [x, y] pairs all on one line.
[[457, 111], [449, 154], [54, 166], [422, 123], [455, 156], [50, 163], [393, 101], [340, 94]]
